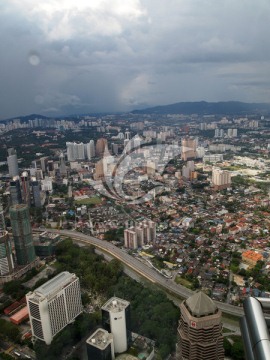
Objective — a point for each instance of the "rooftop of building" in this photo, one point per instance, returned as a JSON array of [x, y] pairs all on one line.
[[250, 254], [115, 304], [200, 305], [100, 339], [54, 284]]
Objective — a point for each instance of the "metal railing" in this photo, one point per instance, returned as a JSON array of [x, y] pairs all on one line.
[[254, 329]]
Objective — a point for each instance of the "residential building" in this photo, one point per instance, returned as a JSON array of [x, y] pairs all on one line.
[[200, 329], [54, 305], [116, 320], [251, 257], [141, 234], [221, 179], [188, 151], [22, 234]]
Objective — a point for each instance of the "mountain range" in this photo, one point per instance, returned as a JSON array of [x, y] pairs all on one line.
[[208, 108]]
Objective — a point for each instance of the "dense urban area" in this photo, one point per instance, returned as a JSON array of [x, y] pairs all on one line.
[[186, 196]]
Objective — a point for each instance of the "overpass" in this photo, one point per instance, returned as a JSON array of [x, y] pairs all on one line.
[[143, 270]]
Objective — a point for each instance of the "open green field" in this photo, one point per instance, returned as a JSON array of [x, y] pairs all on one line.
[[184, 282], [94, 200]]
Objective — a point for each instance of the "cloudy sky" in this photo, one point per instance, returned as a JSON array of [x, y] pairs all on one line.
[[78, 56]]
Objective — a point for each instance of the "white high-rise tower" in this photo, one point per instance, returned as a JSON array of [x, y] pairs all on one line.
[[54, 305]]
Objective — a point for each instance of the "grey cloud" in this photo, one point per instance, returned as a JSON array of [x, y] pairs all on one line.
[[143, 53]]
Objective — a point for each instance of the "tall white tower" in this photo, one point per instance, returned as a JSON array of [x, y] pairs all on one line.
[[116, 320]]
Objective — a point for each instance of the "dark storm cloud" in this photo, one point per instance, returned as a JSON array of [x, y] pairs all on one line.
[[63, 56]]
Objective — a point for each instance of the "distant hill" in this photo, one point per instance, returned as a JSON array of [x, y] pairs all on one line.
[[208, 108], [26, 117]]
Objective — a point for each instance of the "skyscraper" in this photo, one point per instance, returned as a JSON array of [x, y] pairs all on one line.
[[25, 183], [22, 234], [6, 259], [12, 161], [62, 165], [200, 329], [54, 305], [116, 320], [15, 191], [100, 146], [36, 200]]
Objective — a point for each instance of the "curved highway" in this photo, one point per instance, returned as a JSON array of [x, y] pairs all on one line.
[[143, 270]]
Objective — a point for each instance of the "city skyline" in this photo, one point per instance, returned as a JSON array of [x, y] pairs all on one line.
[[63, 58]]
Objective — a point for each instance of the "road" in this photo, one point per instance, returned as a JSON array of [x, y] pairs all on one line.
[[143, 270]]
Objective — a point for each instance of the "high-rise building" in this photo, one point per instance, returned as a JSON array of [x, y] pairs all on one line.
[[100, 146], [6, 259], [36, 193], [22, 234], [12, 161], [116, 320], [100, 345], [188, 150], [75, 151], [15, 191], [54, 305], [25, 186], [200, 329], [90, 149], [62, 165], [139, 235], [221, 179]]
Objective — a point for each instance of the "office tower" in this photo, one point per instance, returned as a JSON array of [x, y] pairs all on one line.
[[127, 135], [54, 305], [12, 161], [100, 146], [62, 166], [116, 320], [22, 234], [15, 191], [36, 193], [25, 186], [6, 259], [188, 151], [200, 329], [43, 163], [50, 166], [100, 346], [221, 179]]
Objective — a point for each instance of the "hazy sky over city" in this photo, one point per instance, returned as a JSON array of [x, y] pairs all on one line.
[[79, 56]]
